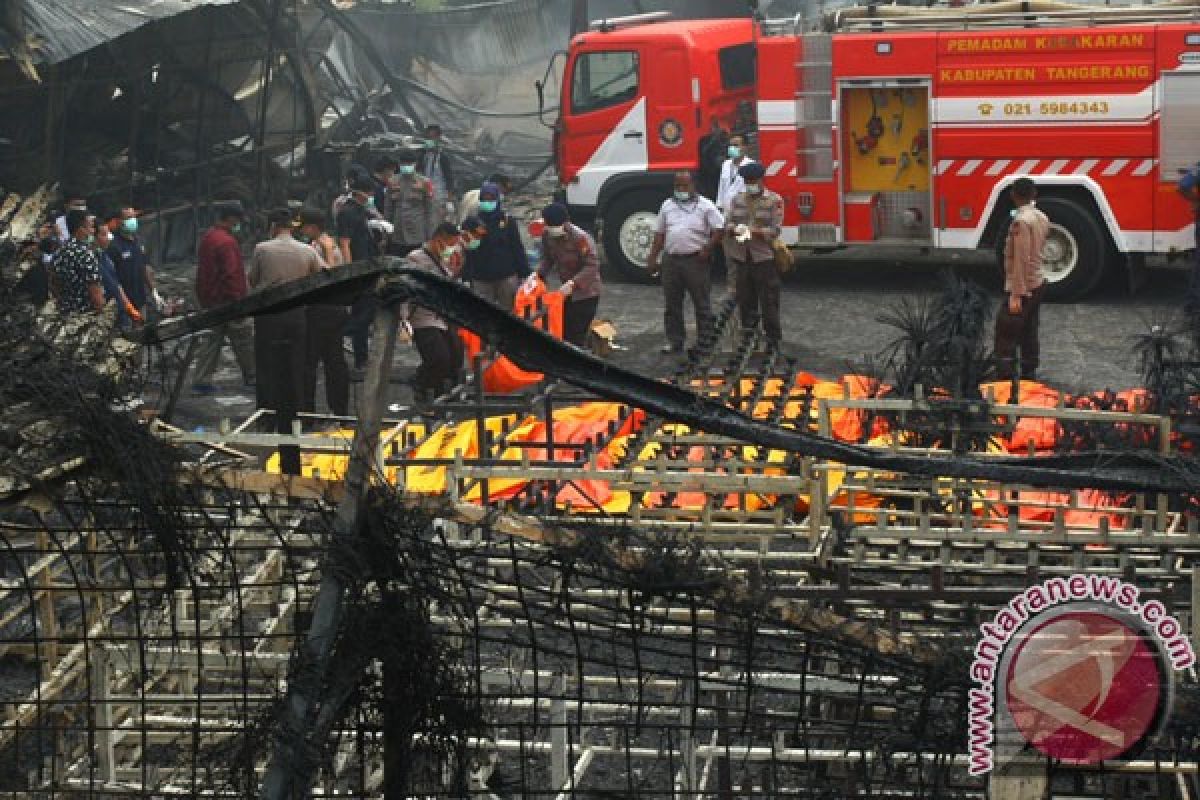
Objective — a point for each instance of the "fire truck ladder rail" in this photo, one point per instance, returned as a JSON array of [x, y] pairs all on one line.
[[1039, 13]]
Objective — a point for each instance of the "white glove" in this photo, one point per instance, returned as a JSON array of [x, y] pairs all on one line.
[[381, 225], [567, 288], [530, 283], [742, 233], [405, 333], [160, 305]]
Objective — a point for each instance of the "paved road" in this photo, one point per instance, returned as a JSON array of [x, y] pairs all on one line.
[[830, 311], [831, 308]]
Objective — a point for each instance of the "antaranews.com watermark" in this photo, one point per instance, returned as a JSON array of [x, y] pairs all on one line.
[[997, 635]]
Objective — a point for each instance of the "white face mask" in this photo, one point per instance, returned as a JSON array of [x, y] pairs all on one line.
[[556, 230], [753, 188]]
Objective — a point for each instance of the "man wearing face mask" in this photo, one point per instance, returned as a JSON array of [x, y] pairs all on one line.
[[76, 271], [126, 313], [731, 182], [385, 170], [689, 227], [133, 266], [755, 221], [221, 279], [469, 207], [356, 244], [436, 339], [411, 201], [571, 252], [473, 233], [500, 263], [435, 165]]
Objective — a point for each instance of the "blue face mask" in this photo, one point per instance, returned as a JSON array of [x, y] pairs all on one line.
[[488, 205], [474, 244], [734, 151], [682, 196], [129, 226], [408, 169]]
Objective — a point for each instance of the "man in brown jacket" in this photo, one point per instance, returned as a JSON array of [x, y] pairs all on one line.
[[755, 221], [436, 339], [1017, 320], [571, 252]]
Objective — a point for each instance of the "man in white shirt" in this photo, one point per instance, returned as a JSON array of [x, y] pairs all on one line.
[[730, 183], [689, 227]]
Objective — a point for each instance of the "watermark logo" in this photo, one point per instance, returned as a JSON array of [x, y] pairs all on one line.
[[1076, 667]]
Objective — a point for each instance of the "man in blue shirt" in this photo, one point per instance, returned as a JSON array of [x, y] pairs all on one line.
[[126, 313], [129, 257]]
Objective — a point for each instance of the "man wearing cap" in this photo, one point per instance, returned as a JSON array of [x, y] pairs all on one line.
[[280, 339], [500, 263], [754, 222], [571, 252], [689, 227], [221, 279], [411, 207], [437, 340]]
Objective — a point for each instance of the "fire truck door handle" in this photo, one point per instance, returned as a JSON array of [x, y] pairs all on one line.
[[634, 135]]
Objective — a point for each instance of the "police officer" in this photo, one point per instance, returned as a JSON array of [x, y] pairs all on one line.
[[411, 205], [754, 222], [1024, 284], [571, 252], [436, 339]]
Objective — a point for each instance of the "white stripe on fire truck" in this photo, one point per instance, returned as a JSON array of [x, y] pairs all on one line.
[[1056, 166], [943, 167], [775, 168], [1028, 166], [777, 113], [1144, 167], [1086, 167], [1115, 167], [969, 167], [998, 167]]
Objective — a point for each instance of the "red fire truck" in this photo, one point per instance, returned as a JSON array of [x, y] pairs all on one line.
[[895, 126]]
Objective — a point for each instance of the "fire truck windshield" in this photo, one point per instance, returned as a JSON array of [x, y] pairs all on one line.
[[601, 80]]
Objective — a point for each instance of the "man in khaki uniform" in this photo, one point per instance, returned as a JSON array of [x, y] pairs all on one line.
[[1017, 320], [754, 222], [411, 205]]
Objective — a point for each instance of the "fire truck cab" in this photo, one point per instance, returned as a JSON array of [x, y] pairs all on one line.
[[898, 126], [639, 102]]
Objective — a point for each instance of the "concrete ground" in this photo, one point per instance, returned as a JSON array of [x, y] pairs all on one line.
[[830, 315]]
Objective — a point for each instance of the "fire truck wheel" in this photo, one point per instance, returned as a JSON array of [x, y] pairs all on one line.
[[629, 226], [1076, 250]]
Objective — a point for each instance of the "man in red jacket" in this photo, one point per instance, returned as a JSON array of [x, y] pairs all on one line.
[[220, 279]]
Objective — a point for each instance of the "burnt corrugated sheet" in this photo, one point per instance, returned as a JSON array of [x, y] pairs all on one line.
[[66, 28], [482, 39]]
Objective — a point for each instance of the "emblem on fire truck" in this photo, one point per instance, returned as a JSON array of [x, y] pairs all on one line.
[[670, 133]]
